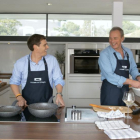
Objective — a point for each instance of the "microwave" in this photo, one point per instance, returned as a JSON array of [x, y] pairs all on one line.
[[84, 61]]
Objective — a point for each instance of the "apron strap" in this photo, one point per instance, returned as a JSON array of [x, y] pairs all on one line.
[[115, 55], [46, 66], [125, 54], [29, 69]]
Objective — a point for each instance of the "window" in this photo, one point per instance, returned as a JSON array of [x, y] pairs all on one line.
[[131, 26], [22, 24], [79, 25]]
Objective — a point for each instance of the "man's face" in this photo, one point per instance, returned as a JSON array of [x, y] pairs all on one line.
[[115, 39], [43, 47]]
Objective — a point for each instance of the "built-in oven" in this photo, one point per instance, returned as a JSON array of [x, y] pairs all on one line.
[[84, 61]]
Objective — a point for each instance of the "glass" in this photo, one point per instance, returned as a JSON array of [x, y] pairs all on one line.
[[79, 25], [22, 24], [129, 99]]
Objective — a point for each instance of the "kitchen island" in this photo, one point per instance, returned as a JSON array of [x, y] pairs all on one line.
[[58, 131]]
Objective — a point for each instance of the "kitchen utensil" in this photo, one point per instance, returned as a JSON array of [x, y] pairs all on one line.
[[102, 107], [43, 110], [136, 91], [76, 115], [9, 111]]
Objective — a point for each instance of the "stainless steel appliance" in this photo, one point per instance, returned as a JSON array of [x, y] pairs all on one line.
[[136, 54], [84, 61], [87, 115]]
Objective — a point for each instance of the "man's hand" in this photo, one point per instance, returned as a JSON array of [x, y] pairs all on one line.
[[138, 78], [59, 99], [22, 102], [135, 84]]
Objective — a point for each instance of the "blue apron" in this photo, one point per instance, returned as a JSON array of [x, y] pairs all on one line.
[[111, 94], [37, 88]]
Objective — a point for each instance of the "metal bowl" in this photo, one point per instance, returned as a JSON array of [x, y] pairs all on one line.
[[42, 110], [9, 111], [136, 91]]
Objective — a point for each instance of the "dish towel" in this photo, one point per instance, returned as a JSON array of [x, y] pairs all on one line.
[[111, 114], [122, 133], [116, 124]]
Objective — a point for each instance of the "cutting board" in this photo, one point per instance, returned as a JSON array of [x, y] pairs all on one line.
[[123, 109]]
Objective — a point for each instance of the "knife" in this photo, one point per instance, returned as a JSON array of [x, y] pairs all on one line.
[[98, 106]]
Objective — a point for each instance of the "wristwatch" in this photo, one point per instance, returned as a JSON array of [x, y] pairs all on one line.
[[59, 93]]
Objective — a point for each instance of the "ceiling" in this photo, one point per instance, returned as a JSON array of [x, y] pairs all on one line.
[[67, 6]]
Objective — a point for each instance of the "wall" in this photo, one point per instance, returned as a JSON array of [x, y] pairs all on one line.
[[9, 53]]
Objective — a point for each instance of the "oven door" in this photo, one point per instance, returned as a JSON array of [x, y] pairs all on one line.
[[86, 64]]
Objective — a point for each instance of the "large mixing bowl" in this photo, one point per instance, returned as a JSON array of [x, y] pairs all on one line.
[[136, 91]]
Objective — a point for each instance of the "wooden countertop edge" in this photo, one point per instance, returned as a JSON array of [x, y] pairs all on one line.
[[5, 75], [4, 87]]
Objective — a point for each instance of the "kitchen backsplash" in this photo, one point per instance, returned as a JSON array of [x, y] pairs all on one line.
[[10, 53]]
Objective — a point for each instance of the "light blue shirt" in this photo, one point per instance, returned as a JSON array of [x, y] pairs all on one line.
[[107, 62], [20, 71]]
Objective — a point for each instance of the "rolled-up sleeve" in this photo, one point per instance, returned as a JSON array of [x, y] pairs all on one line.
[[107, 71], [16, 75], [57, 75]]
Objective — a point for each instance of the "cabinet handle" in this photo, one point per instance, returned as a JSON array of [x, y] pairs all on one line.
[[4, 92]]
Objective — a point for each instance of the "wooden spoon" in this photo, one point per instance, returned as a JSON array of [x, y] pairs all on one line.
[[98, 106]]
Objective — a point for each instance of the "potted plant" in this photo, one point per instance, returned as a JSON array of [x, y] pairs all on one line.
[[61, 60]]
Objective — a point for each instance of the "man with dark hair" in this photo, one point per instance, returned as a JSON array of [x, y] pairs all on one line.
[[35, 40], [36, 73], [116, 63]]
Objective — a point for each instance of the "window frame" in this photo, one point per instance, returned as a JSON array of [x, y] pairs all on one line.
[[65, 39]]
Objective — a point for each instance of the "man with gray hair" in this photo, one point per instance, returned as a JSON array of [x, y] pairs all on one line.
[[116, 63]]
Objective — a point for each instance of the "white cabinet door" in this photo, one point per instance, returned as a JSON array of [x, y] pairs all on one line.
[[4, 97], [83, 92], [84, 89]]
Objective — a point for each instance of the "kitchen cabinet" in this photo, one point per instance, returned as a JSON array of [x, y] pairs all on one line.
[[4, 96], [83, 89]]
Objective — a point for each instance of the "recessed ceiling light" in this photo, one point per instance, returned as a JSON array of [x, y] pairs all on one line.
[[49, 4]]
